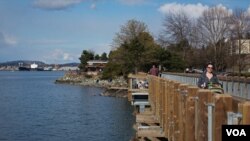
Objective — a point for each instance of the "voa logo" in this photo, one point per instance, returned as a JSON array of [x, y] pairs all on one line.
[[236, 132]]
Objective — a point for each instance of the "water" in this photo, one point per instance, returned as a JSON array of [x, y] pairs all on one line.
[[33, 108]]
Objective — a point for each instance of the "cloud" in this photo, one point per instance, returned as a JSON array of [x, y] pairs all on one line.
[[132, 2], [224, 8], [59, 55], [7, 40], [56, 4], [193, 10]]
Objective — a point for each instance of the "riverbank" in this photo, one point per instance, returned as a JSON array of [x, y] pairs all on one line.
[[113, 88]]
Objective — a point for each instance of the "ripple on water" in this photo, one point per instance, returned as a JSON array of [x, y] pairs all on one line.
[[33, 108]]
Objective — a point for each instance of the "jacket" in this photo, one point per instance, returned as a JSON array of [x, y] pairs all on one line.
[[203, 80]]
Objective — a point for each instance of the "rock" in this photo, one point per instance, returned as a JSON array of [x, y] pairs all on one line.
[[115, 93], [78, 79]]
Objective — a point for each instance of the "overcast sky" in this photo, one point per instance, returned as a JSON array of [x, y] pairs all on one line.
[[57, 31]]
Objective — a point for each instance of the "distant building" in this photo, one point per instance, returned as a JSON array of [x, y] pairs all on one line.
[[94, 67], [245, 46], [48, 68], [68, 68], [242, 47]]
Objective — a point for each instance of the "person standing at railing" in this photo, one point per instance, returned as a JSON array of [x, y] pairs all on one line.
[[154, 71], [208, 78]]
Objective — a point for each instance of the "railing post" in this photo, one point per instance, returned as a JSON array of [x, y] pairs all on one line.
[[210, 121]]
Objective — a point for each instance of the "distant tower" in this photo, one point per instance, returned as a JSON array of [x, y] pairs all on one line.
[[20, 64]]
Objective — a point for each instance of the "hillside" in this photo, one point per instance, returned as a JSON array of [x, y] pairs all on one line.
[[23, 62], [29, 62]]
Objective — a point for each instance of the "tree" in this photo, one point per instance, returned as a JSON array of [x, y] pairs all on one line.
[[138, 54], [179, 34], [85, 57], [177, 64], [163, 58], [128, 42], [128, 32], [177, 27], [213, 30], [104, 56], [115, 66], [97, 57], [149, 55], [137, 51]]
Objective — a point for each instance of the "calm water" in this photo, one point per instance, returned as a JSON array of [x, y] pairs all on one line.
[[33, 108]]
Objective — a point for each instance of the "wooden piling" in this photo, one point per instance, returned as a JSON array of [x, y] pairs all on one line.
[[244, 109], [190, 129], [175, 112], [167, 108], [204, 98], [222, 105], [182, 110]]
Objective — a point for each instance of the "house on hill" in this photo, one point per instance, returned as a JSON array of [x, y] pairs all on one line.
[[94, 67]]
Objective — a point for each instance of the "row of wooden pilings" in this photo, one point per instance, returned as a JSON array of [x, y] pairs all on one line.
[[187, 113]]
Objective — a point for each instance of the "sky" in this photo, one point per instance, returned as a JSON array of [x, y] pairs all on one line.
[[57, 31]]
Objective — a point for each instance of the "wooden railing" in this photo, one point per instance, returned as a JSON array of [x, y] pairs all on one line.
[[233, 85], [186, 113]]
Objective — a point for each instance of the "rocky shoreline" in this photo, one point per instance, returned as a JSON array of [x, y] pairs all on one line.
[[113, 88]]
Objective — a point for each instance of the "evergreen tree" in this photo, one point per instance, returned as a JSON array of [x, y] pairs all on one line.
[[97, 57], [104, 56], [85, 57]]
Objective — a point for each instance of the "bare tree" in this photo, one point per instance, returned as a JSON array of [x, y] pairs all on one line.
[[177, 26], [177, 29], [240, 26], [213, 30], [132, 29]]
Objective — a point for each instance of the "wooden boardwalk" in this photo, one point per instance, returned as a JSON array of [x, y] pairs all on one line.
[[182, 112]]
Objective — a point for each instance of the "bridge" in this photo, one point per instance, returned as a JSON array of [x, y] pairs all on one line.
[[173, 108]]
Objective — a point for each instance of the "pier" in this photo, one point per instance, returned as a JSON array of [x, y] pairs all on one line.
[[172, 110]]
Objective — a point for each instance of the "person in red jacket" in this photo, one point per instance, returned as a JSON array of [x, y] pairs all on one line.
[[154, 71]]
